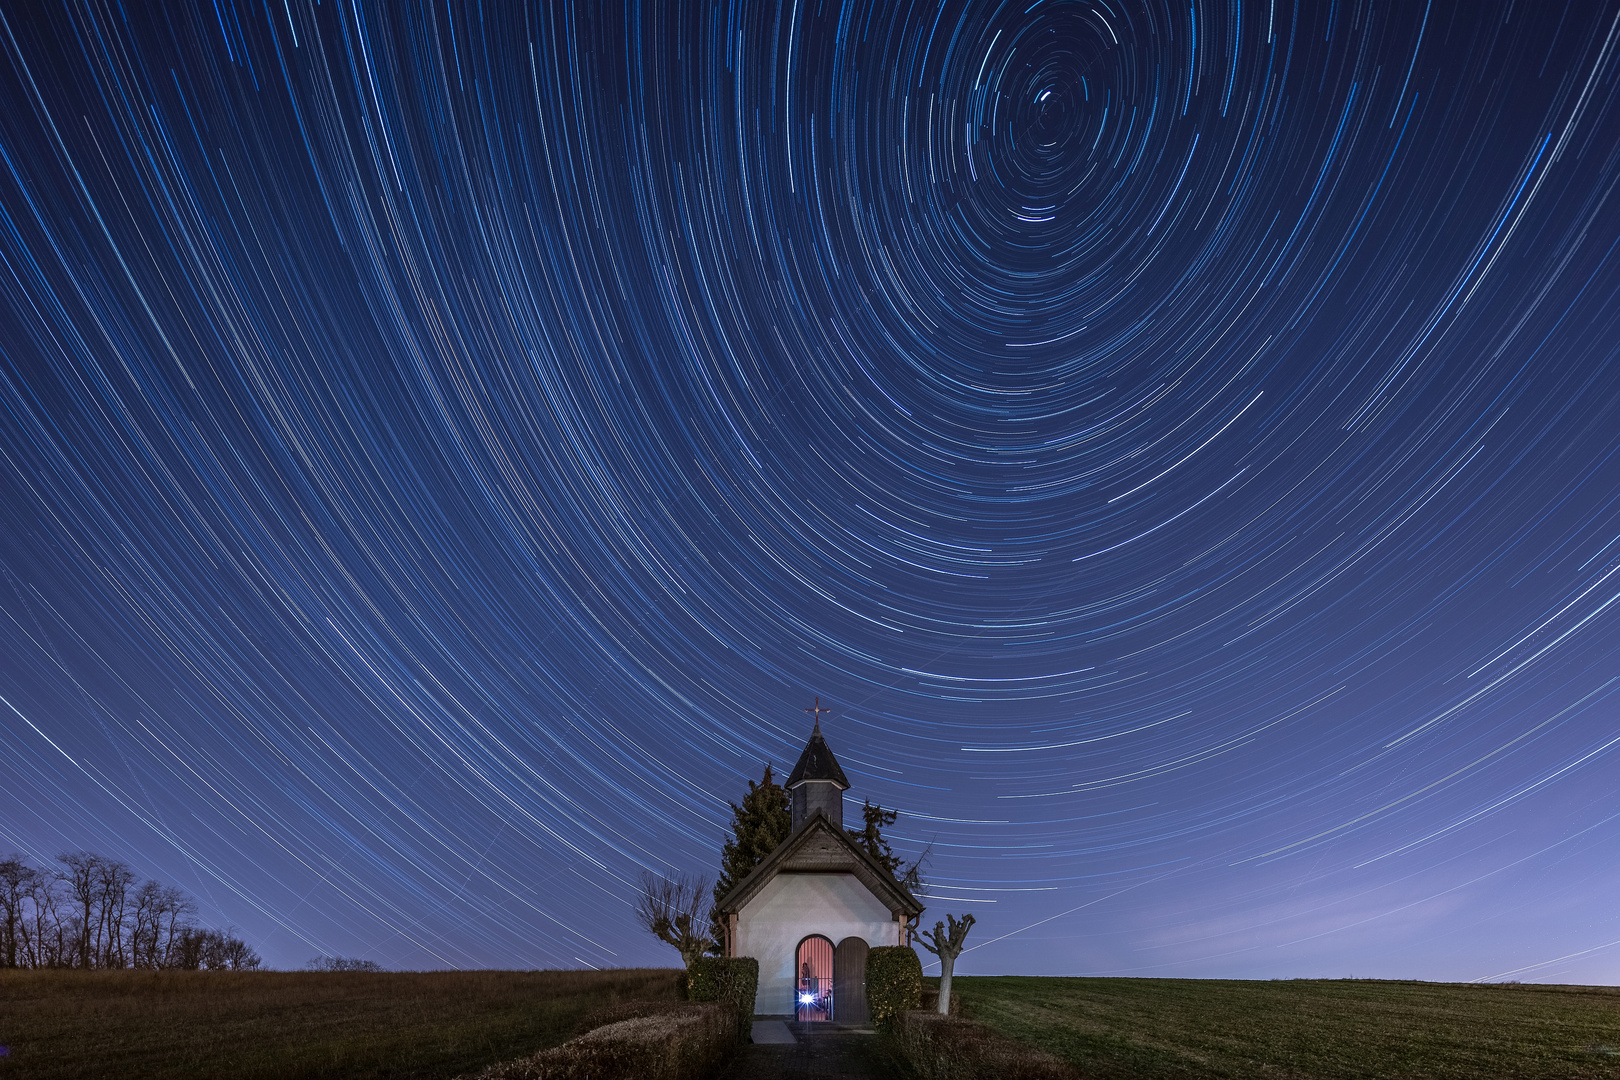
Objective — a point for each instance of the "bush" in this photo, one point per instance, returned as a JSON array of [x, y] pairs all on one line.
[[342, 963], [949, 1048], [626, 1010], [893, 984], [675, 1044], [731, 979]]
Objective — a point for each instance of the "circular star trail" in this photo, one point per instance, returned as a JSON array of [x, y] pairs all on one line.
[[444, 448]]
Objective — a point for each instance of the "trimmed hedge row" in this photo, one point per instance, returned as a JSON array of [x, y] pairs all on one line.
[[730, 979], [634, 1009], [675, 1043], [894, 984], [950, 1048]]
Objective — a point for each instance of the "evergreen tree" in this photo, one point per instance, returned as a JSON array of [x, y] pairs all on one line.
[[871, 840], [758, 826]]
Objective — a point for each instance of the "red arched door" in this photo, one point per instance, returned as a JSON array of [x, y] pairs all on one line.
[[813, 996]]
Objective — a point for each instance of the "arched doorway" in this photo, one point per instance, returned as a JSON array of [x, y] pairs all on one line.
[[849, 981], [813, 993]]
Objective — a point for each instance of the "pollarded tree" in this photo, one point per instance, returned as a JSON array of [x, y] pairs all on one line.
[[947, 945], [758, 826], [674, 911]]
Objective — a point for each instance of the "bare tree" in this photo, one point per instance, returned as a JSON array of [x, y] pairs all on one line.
[[155, 913], [49, 934], [99, 890], [17, 880], [216, 950], [80, 876], [94, 912], [174, 924], [947, 946], [233, 954], [190, 949], [113, 881], [676, 912], [143, 917]]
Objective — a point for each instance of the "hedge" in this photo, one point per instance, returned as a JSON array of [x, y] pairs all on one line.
[[893, 984], [674, 1044], [950, 1048], [634, 1009], [731, 979]]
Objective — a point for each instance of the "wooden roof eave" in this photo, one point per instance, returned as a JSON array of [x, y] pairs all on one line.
[[877, 879]]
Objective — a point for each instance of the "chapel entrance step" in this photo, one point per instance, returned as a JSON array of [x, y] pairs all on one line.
[[817, 1051]]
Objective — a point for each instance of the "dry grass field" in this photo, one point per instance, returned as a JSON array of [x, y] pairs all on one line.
[[1316, 1029], [190, 1025]]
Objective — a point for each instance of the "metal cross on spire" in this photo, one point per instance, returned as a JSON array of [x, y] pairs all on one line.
[[818, 710]]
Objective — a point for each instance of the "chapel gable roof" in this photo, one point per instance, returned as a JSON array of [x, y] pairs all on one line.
[[819, 846], [817, 763]]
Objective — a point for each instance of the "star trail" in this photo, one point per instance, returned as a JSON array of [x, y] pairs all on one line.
[[444, 448]]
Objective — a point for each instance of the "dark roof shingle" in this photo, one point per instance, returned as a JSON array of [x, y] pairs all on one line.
[[817, 763]]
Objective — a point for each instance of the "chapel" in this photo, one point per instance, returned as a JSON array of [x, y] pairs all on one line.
[[811, 909]]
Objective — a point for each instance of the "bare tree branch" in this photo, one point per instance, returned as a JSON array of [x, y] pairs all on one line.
[[676, 912], [947, 945]]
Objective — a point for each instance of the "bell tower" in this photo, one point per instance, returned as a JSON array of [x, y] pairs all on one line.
[[817, 783]]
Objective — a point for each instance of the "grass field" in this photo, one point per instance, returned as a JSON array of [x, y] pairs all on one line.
[[1166, 1029], [191, 1025]]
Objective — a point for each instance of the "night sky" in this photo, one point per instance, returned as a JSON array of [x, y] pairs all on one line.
[[444, 450]]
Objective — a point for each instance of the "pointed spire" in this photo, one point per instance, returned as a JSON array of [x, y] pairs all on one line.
[[817, 761]]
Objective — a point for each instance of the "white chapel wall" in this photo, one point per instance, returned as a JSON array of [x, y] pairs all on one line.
[[793, 906]]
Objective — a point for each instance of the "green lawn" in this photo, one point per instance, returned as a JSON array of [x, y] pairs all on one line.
[[191, 1025], [1351, 1029]]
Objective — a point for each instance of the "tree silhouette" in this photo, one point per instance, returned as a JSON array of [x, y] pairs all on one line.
[[870, 839], [758, 827], [95, 912], [342, 963], [673, 910]]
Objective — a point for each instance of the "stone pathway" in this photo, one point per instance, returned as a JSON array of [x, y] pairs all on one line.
[[790, 1050]]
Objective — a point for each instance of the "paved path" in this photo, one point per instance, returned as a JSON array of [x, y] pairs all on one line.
[[804, 1051]]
